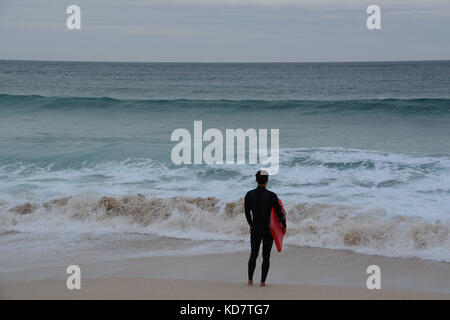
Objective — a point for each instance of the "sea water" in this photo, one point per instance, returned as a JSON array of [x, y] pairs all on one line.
[[85, 157]]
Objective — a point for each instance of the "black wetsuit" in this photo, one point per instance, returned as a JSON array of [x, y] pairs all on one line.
[[260, 202]]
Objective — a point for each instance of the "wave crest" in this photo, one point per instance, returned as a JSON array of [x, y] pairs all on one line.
[[400, 106], [197, 218]]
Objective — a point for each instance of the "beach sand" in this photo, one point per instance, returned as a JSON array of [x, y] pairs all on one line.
[[145, 288], [296, 273]]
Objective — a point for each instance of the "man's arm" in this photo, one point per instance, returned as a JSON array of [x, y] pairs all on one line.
[[279, 210], [247, 211]]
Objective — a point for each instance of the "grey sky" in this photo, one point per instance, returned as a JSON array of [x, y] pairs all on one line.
[[224, 30]]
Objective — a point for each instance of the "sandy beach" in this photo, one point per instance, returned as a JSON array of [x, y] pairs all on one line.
[[175, 289], [297, 273]]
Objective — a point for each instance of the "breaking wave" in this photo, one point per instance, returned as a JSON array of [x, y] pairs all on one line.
[[36, 103], [210, 218]]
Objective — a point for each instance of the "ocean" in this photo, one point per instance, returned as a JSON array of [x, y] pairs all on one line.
[[85, 162]]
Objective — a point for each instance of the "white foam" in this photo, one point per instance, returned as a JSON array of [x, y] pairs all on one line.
[[372, 190], [203, 219]]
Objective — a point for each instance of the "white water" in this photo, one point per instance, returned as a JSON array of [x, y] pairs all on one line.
[[370, 202]]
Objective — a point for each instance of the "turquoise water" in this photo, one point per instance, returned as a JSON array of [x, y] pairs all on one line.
[[359, 142]]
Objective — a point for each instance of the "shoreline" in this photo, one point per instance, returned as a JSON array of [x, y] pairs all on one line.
[[295, 273]]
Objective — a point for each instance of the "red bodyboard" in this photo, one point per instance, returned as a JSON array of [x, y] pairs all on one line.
[[276, 229]]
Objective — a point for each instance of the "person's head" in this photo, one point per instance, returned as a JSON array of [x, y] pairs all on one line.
[[262, 176]]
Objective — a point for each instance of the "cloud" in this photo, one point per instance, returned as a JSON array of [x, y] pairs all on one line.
[[224, 30], [302, 3]]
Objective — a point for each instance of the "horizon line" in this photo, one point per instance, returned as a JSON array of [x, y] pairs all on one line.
[[224, 62]]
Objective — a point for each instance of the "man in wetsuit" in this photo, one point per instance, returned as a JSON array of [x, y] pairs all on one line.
[[260, 202]]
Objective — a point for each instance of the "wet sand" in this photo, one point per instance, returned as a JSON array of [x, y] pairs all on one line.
[[296, 273]]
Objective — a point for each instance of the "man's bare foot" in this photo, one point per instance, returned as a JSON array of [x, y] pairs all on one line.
[[250, 282], [263, 284]]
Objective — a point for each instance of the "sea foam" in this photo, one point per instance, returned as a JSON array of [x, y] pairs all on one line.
[[309, 224]]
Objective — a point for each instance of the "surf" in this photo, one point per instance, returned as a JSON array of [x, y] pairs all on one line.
[[427, 106], [211, 219]]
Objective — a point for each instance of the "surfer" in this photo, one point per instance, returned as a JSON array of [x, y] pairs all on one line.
[[260, 202]]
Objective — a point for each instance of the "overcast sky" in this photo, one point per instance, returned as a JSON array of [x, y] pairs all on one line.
[[224, 30]]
